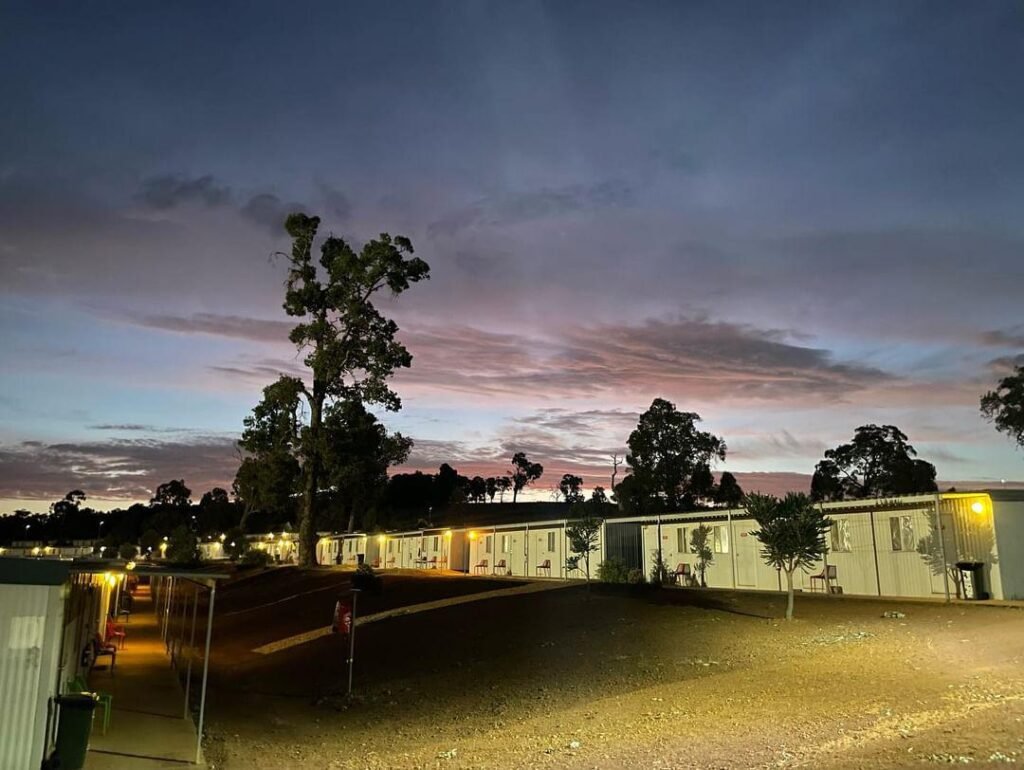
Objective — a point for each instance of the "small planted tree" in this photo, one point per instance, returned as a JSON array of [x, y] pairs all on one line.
[[792, 534], [583, 536], [700, 547], [183, 546]]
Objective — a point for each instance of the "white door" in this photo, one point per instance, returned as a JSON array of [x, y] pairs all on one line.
[[746, 560]]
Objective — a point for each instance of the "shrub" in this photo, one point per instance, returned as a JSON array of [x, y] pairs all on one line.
[[659, 572], [613, 570], [366, 579], [254, 557], [127, 551], [183, 546], [636, 577]]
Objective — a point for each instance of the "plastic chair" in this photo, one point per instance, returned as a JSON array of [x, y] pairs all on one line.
[[826, 576], [545, 565]]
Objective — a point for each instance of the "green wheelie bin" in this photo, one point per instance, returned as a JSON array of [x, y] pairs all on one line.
[[74, 728]]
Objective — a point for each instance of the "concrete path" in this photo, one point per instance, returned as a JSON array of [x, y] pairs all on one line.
[[308, 636], [149, 729]]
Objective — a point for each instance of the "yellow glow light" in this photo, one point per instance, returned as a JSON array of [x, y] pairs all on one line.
[[222, 538], [382, 539], [130, 565], [111, 580], [978, 507], [472, 535], [35, 551], [448, 534]]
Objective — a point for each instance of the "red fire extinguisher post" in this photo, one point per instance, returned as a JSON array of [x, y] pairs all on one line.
[[345, 625]]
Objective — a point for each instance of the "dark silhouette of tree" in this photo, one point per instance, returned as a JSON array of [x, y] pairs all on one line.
[[878, 462], [1004, 406], [598, 496], [270, 475], [523, 473], [503, 484], [702, 483], [350, 348], [182, 546], [491, 487], [173, 494], [792, 534], [728, 492], [445, 483], [666, 451], [356, 454], [571, 488], [477, 489]]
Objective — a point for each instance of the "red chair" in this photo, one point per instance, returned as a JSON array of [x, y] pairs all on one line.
[[391, 562], [432, 563], [683, 572], [500, 568], [481, 567], [546, 565], [116, 632], [826, 576]]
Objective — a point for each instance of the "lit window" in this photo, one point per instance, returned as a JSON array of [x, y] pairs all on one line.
[[841, 540], [487, 544], [506, 544], [721, 537], [681, 540]]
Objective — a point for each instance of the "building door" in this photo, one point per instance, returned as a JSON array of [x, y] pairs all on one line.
[[746, 560]]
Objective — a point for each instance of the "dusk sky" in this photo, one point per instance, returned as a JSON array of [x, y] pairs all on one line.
[[793, 218]]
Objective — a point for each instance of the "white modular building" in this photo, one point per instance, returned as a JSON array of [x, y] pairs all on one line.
[[908, 546]]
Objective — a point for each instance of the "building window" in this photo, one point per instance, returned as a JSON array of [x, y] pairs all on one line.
[[681, 544], [436, 537], [721, 539], [391, 546], [506, 545], [551, 541], [841, 541], [487, 544], [901, 532]]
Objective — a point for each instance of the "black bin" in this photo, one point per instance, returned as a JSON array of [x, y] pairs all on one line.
[[74, 729], [972, 578]]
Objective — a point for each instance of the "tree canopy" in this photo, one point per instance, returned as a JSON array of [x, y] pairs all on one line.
[[878, 462], [1004, 406], [571, 488], [669, 459], [523, 473]]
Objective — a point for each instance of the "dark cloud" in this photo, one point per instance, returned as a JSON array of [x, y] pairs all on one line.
[[1003, 338], [782, 444], [238, 327], [165, 192], [337, 204], [517, 208], [694, 359], [269, 211], [128, 468], [586, 422]]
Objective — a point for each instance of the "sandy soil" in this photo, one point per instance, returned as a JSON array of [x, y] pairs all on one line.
[[680, 678]]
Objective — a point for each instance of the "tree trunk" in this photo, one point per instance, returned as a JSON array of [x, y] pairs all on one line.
[[351, 517], [307, 521], [515, 494], [789, 594]]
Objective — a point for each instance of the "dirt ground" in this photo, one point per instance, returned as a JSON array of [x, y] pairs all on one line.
[[610, 679]]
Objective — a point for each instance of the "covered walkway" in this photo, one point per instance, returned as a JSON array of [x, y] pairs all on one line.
[[150, 727]]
